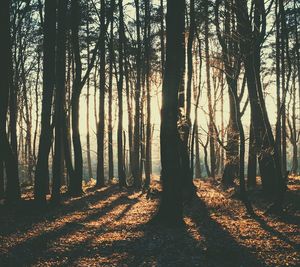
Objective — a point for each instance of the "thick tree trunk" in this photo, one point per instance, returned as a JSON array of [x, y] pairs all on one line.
[[7, 154], [59, 100], [170, 210], [269, 159], [41, 185]]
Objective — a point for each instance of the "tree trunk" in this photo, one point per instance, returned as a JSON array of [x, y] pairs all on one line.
[[210, 108], [7, 155], [269, 159], [1, 179], [252, 160], [110, 103], [148, 123], [75, 188], [170, 209], [88, 140], [100, 132], [41, 185], [121, 171], [59, 100], [137, 120]]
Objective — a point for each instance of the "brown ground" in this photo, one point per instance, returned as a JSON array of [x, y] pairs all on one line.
[[108, 227]]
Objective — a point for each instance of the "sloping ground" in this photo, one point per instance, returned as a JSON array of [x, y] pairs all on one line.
[[108, 227]]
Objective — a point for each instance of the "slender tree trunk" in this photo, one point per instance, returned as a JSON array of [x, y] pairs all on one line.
[[292, 124], [252, 160], [198, 173], [121, 171], [162, 37], [100, 132], [88, 140], [37, 109], [210, 108], [75, 188], [1, 179], [137, 120], [147, 63], [110, 85]]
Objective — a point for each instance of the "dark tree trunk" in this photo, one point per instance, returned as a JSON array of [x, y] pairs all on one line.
[[170, 209], [121, 170], [75, 187], [41, 185], [7, 154], [137, 120], [59, 100], [269, 159], [100, 132], [232, 70], [252, 160], [110, 103], [210, 108], [147, 73], [188, 182], [294, 136], [162, 37], [1, 178], [88, 139], [232, 153]]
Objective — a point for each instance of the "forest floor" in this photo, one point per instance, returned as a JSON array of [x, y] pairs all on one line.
[[108, 227]]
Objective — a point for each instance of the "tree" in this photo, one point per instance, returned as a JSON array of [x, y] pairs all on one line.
[[137, 96], [45, 140], [59, 99], [148, 95], [110, 100], [232, 66], [170, 209], [250, 47], [100, 132], [209, 97], [121, 170], [7, 155]]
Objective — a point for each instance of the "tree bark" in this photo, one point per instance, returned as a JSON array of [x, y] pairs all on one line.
[[59, 100], [41, 185], [170, 209], [250, 42], [100, 132], [147, 73], [252, 160], [121, 170], [137, 119], [7, 155], [210, 108]]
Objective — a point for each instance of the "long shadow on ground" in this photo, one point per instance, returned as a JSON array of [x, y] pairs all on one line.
[[136, 244]]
